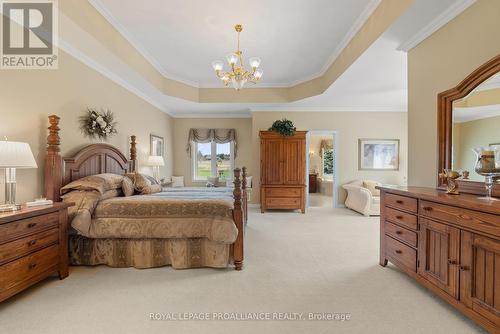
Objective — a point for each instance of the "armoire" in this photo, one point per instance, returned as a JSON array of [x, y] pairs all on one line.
[[282, 171]]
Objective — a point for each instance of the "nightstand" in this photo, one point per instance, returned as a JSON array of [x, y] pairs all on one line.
[[33, 246]]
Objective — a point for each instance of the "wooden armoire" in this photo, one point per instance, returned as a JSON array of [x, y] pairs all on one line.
[[282, 171]]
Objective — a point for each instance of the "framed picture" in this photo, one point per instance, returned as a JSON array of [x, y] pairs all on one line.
[[378, 154], [157, 145]]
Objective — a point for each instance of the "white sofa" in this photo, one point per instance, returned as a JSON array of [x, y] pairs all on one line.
[[361, 199]]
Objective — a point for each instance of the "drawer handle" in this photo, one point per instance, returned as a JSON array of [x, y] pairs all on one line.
[[427, 208], [399, 232], [465, 217], [31, 225], [399, 217], [464, 268], [399, 251], [32, 242], [452, 262], [399, 201], [32, 266]]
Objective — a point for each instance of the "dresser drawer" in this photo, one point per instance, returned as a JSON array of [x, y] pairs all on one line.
[[29, 244], [400, 233], [401, 218], [21, 271], [463, 217], [284, 192], [28, 226], [283, 203], [400, 254], [401, 202]]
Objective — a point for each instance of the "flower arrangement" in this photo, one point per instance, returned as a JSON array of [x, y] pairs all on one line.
[[98, 124], [284, 127]]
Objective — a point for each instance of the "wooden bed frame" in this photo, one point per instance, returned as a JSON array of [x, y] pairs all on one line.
[[103, 158]]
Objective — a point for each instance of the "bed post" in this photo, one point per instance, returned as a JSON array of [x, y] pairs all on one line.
[[244, 190], [238, 220], [53, 161], [133, 154]]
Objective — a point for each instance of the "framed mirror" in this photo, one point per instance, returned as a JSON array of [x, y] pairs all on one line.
[[469, 117]]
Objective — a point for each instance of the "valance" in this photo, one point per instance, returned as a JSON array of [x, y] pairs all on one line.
[[220, 136], [326, 144]]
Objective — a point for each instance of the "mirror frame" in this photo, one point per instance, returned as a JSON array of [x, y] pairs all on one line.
[[445, 123]]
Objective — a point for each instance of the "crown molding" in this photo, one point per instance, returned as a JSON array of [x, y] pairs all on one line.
[[137, 45], [467, 114], [353, 30], [332, 109], [445, 17], [245, 114]]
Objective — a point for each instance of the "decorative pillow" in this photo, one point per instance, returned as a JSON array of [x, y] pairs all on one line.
[[128, 186], [99, 182], [151, 179], [111, 193], [177, 181], [154, 188], [213, 180], [370, 185]]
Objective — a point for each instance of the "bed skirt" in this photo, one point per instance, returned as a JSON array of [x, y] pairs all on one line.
[[148, 253]]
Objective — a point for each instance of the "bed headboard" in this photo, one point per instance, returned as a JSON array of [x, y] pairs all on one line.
[[90, 160]]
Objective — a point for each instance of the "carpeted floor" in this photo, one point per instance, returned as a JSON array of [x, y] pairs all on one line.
[[325, 261]]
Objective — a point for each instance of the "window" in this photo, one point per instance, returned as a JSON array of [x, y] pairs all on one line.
[[212, 159], [328, 163]]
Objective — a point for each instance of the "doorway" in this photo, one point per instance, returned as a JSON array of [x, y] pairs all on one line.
[[321, 163]]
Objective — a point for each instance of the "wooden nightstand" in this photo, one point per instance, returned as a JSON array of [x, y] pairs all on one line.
[[33, 246]]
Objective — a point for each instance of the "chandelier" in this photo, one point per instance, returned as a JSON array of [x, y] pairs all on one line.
[[238, 76]]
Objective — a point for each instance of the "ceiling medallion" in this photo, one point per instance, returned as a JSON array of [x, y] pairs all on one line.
[[238, 76]]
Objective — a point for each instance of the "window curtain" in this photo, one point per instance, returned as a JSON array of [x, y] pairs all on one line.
[[326, 144], [220, 136]]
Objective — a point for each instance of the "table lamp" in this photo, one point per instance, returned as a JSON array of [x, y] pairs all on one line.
[[156, 161], [13, 155]]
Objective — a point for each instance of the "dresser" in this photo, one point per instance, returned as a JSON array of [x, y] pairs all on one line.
[[282, 171], [449, 243], [33, 246]]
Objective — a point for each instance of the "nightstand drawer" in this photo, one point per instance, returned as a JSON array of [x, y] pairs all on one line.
[[21, 247], [28, 226], [401, 254], [401, 234], [21, 271]]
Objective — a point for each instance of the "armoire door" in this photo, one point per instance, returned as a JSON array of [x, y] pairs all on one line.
[[438, 255], [272, 161], [480, 275], [294, 156]]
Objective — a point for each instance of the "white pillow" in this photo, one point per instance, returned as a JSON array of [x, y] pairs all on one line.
[[213, 180], [177, 181]]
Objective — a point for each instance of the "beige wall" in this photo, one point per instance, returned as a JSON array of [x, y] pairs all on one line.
[[182, 162], [350, 126], [481, 132], [29, 96], [438, 63]]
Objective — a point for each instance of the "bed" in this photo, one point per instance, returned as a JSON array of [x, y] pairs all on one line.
[[181, 227]]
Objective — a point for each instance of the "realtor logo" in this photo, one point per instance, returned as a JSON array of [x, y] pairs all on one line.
[[29, 31]]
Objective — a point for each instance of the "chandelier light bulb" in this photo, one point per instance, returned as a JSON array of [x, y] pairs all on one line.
[[254, 62], [258, 74], [217, 65], [232, 59]]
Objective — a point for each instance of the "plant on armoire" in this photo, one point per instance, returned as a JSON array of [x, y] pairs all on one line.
[[284, 127]]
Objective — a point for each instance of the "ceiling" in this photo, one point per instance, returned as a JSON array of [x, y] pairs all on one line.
[[295, 39]]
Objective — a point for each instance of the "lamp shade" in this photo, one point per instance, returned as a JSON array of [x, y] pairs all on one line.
[[155, 160], [16, 155]]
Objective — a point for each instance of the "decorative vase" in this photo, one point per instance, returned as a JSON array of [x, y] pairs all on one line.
[[488, 165]]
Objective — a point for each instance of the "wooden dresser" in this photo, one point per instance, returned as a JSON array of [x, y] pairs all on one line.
[[282, 171], [33, 246], [448, 243]]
